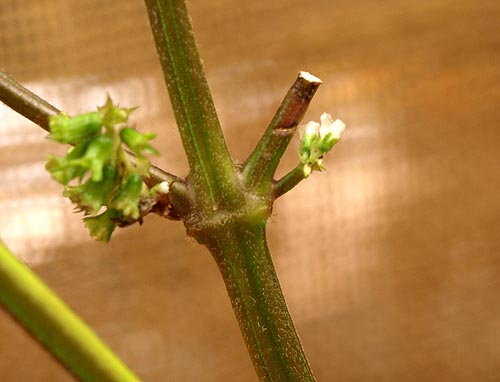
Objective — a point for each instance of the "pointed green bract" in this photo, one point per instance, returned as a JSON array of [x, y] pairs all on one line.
[[97, 174], [92, 195], [101, 226], [113, 115]]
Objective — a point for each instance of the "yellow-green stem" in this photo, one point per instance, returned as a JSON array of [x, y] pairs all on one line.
[[55, 325]]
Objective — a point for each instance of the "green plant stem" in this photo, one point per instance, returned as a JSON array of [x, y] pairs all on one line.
[[39, 111], [289, 181], [53, 323], [225, 215], [212, 171], [262, 163], [245, 263], [25, 102]]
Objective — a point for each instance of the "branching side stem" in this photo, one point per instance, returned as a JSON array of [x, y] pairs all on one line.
[[262, 163], [289, 181], [37, 110], [25, 102]]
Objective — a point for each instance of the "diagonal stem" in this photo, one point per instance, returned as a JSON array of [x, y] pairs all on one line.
[[288, 181], [56, 326], [39, 111], [25, 102]]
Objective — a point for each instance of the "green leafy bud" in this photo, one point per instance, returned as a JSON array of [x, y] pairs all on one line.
[[59, 169], [79, 150], [138, 142], [65, 169], [101, 226], [127, 198], [99, 151], [97, 172], [91, 195], [72, 130]]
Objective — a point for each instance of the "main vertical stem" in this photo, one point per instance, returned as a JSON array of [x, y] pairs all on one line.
[[245, 264], [227, 214], [212, 172]]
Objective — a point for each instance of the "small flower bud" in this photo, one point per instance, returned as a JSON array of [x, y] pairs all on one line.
[[309, 140], [72, 130], [161, 188], [91, 195], [329, 132], [127, 199], [98, 153], [307, 170], [317, 140], [138, 142]]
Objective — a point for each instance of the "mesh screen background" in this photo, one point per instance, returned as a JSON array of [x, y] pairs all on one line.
[[389, 260]]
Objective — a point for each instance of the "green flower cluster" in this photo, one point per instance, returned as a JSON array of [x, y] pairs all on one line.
[[317, 140], [97, 173]]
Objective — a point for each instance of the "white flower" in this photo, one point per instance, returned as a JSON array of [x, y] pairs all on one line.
[[329, 126], [161, 188], [306, 170], [309, 140], [317, 140], [312, 128]]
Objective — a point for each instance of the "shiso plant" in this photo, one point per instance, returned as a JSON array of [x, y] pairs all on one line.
[[224, 204]]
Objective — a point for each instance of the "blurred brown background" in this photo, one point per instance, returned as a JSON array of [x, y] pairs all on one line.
[[390, 260]]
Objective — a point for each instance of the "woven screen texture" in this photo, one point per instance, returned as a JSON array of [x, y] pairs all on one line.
[[390, 260]]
